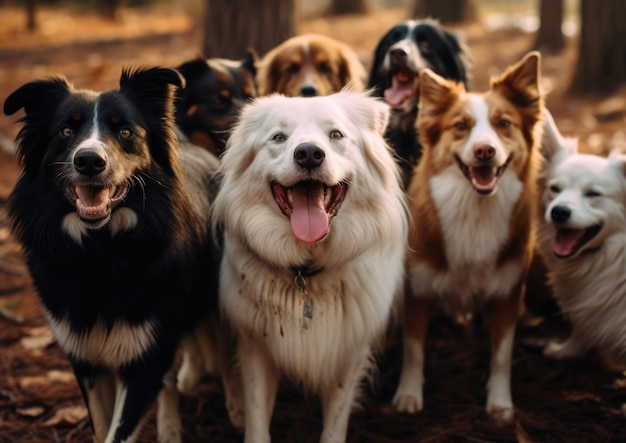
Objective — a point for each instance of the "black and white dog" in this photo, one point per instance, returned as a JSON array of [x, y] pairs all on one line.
[[400, 55], [112, 213]]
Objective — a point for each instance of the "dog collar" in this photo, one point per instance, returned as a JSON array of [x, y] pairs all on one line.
[[302, 273], [306, 271]]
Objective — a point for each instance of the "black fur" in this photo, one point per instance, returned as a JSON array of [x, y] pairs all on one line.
[[163, 268], [420, 44], [215, 91]]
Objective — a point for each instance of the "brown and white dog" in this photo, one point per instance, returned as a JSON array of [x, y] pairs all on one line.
[[309, 65], [472, 200]]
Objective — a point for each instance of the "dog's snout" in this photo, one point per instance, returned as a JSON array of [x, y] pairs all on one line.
[[484, 151], [309, 156], [560, 214], [89, 162], [308, 91], [398, 56]]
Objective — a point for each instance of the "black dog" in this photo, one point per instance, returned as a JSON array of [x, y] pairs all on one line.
[[403, 51], [112, 213], [215, 90]]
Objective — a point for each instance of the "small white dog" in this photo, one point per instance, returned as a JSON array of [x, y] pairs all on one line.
[[582, 237], [315, 229]]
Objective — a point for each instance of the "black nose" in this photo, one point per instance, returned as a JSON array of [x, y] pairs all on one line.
[[89, 162], [309, 156], [308, 91], [398, 56], [560, 214]]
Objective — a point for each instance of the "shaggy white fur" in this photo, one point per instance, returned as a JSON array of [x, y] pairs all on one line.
[[582, 238], [350, 277]]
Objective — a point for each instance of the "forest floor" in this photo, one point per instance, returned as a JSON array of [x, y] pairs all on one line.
[[573, 402]]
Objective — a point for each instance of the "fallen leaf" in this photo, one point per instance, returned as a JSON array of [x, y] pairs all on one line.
[[27, 382], [69, 415], [60, 376], [34, 411], [37, 343]]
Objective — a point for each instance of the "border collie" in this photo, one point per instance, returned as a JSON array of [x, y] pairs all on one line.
[[400, 55], [472, 200], [112, 213]]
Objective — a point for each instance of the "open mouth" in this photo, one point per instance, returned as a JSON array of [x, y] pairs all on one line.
[[310, 206], [95, 203], [568, 241], [403, 90], [484, 178]]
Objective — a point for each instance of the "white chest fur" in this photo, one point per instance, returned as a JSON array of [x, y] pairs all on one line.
[[113, 347]]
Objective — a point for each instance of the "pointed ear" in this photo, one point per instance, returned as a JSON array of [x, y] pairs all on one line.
[[553, 144], [618, 159], [193, 68], [520, 82], [434, 92], [250, 61]]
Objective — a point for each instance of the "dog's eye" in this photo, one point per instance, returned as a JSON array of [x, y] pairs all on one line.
[[125, 133], [67, 132], [324, 68], [292, 69], [279, 137], [335, 134], [424, 46], [592, 194], [503, 123], [555, 189], [460, 126]]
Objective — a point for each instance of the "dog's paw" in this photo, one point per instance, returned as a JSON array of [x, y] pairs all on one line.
[[236, 415], [407, 402], [501, 415]]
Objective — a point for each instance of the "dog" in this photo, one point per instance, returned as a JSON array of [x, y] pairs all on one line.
[[310, 65], [472, 199], [315, 224], [113, 215], [582, 238], [405, 50], [215, 90]]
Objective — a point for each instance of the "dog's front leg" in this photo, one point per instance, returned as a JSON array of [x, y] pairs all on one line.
[[98, 388], [501, 314], [260, 384], [339, 398]]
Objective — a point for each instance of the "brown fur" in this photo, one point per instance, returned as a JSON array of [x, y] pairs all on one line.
[[330, 65]]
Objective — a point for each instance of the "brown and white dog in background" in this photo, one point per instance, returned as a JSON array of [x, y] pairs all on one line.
[[215, 90], [472, 200], [310, 65]]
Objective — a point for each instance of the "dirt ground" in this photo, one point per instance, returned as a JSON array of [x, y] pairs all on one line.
[[573, 402]]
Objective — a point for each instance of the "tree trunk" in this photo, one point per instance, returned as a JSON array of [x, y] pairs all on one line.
[[31, 15], [231, 27], [550, 37], [338, 7], [446, 11], [601, 66]]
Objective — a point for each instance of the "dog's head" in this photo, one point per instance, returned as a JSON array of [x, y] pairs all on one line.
[[214, 92], [296, 166], [582, 196], [90, 146], [483, 135], [310, 65], [408, 48]]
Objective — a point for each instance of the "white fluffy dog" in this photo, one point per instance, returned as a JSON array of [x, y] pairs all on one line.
[[582, 237], [315, 226]]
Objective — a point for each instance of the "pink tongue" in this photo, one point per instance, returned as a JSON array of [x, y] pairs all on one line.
[[309, 221], [90, 196], [566, 240], [483, 175], [399, 92]]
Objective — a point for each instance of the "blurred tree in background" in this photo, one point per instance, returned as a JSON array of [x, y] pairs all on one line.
[[446, 11], [601, 65], [338, 7], [233, 26], [550, 36]]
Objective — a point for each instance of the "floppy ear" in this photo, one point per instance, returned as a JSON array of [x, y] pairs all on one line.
[[365, 110], [39, 99], [351, 70], [553, 144], [267, 73]]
